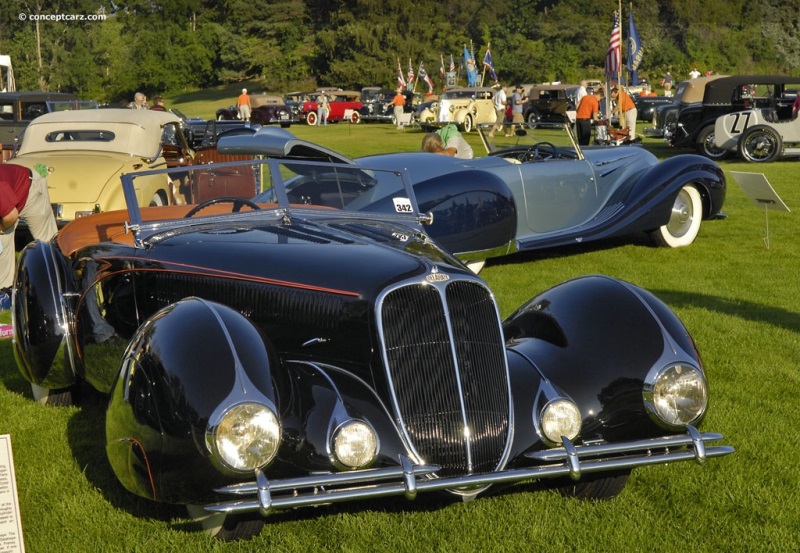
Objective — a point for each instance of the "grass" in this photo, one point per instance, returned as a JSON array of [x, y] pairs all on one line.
[[741, 302]]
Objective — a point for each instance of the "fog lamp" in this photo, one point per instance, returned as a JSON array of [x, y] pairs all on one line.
[[560, 418], [247, 437], [355, 444]]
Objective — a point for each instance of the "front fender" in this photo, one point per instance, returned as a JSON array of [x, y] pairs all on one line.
[[657, 188], [597, 339], [44, 344], [186, 362]]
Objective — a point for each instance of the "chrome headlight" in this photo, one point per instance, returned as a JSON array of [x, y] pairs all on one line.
[[355, 444], [560, 418], [678, 395], [247, 437]]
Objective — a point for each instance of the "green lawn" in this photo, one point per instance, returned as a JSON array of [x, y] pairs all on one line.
[[741, 302]]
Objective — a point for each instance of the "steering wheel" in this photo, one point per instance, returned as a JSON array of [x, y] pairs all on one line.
[[238, 204], [544, 150]]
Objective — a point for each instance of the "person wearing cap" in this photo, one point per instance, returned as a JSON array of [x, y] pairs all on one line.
[[23, 195], [399, 103], [243, 103], [626, 108], [324, 109]]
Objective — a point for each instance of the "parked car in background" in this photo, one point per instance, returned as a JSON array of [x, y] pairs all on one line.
[[696, 124], [344, 105], [646, 106], [193, 127], [17, 109], [550, 103], [665, 116], [643, 86], [295, 101], [378, 106], [762, 134], [86, 151], [465, 107], [267, 109], [271, 355]]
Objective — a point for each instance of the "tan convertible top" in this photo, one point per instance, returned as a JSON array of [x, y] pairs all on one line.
[[127, 131]]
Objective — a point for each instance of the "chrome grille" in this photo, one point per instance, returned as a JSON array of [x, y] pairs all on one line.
[[446, 364]]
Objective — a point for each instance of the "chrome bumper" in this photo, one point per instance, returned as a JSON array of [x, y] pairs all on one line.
[[264, 496]]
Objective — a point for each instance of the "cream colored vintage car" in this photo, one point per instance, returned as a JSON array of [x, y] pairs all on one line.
[[466, 107], [86, 151]]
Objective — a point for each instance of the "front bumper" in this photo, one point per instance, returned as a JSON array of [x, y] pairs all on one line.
[[408, 479]]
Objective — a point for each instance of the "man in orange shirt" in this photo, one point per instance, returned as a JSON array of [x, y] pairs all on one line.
[[588, 111], [243, 103], [399, 102], [626, 108]]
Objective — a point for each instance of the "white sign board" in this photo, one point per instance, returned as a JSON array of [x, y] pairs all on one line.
[[10, 524]]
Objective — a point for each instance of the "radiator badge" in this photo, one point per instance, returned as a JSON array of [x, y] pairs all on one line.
[[436, 276]]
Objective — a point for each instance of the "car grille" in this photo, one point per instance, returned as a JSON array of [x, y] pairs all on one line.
[[446, 363]]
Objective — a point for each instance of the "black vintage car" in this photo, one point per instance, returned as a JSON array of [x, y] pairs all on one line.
[[289, 353], [550, 102], [266, 110], [695, 124], [378, 106], [646, 105], [17, 109], [665, 117]]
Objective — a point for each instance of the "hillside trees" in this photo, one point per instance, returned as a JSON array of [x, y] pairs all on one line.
[[160, 46]]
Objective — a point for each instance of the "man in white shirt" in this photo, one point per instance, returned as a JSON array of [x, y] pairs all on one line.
[[500, 101]]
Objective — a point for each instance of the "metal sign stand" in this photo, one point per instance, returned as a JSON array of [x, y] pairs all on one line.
[[757, 188]]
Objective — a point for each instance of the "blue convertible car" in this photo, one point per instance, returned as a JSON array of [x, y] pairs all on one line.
[[535, 190]]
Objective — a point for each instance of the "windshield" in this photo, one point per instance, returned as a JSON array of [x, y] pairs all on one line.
[[290, 186], [544, 136]]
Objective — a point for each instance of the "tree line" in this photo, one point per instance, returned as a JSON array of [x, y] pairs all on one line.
[[166, 47]]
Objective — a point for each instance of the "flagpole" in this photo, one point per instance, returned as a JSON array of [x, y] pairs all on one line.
[[483, 73], [621, 42]]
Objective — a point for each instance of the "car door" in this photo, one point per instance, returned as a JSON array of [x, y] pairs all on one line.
[[559, 194]]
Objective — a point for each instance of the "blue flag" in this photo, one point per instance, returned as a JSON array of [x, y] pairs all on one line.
[[635, 51], [471, 69]]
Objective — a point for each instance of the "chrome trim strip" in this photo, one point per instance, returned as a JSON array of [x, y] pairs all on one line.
[[409, 479]]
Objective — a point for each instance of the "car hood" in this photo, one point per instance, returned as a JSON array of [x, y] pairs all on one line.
[[70, 181], [355, 257]]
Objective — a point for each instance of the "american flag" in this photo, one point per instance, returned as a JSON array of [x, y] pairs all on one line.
[[452, 64], [441, 66], [401, 82], [410, 71], [614, 53], [425, 77], [487, 61]]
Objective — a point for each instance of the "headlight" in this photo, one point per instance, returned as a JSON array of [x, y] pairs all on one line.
[[678, 395], [247, 437], [560, 418], [355, 444]]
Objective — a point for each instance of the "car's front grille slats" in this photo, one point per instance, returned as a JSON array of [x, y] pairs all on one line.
[[446, 364]]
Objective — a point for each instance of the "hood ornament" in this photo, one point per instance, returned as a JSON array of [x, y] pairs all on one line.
[[436, 276]]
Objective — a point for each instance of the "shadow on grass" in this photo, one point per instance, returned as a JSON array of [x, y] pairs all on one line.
[[746, 310], [638, 239]]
